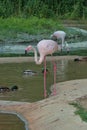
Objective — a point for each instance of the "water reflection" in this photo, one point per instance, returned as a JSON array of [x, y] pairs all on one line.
[[69, 70], [61, 69]]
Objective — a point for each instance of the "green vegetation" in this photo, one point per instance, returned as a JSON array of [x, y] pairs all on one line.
[[80, 111], [33, 25], [73, 9], [37, 16], [10, 27]]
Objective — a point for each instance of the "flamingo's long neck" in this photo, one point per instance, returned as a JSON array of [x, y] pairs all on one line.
[[62, 42], [36, 57]]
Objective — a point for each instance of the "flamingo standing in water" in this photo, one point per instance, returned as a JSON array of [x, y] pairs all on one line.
[[44, 47], [60, 35]]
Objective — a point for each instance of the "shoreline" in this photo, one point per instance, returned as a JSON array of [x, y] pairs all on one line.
[[31, 59]]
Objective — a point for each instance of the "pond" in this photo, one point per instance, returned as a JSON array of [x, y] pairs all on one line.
[[30, 87], [11, 122]]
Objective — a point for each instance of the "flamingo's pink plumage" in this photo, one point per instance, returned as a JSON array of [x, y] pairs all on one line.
[[44, 47]]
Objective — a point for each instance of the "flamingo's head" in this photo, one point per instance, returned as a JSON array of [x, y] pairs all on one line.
[[53, 37], [28, 49]]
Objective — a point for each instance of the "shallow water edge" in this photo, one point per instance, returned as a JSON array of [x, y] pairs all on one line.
[[19, 116]]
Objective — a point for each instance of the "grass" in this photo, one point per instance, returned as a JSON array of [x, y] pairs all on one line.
[[80, 111], [12, 26], [9, 27]]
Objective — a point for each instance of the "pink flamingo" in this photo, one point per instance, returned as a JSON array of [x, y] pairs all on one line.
[[59, 35], [44, 47]]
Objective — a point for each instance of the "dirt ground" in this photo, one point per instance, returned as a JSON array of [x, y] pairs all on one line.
[[82, 101], [55, 112]]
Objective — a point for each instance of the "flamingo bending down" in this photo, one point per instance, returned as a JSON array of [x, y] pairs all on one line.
[[59, 35], [44, 47]]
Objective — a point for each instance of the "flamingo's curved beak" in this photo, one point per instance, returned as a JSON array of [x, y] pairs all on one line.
[[25, 52]]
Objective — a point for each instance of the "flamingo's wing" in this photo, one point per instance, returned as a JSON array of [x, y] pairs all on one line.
[[46, 47]]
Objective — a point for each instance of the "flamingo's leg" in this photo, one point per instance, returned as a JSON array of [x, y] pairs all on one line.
[[55, 69], [45, 77]]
